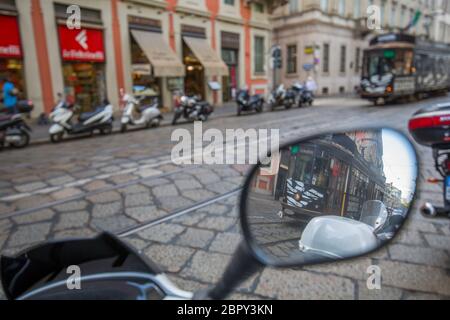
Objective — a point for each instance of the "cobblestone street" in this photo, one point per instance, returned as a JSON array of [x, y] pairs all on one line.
[[185, 218]]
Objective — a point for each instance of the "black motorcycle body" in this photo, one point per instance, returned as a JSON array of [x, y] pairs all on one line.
[[14, 131], [282, 98], [192, 109], [304, 96], [247, 103]]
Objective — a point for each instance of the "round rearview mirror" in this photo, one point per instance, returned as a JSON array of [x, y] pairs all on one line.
[[330, 197]]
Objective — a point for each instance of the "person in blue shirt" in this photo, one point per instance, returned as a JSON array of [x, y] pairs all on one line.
[[9, 95]]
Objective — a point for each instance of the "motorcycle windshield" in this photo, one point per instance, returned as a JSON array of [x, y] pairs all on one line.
[[52, 263], [374, 213]]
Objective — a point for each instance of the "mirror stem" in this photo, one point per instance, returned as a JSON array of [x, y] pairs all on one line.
[[242, 265]]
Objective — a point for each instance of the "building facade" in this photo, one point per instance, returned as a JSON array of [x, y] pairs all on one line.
[[325, 39], [149, 47]]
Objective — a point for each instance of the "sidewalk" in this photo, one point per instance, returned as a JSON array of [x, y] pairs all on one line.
[[40, 133]]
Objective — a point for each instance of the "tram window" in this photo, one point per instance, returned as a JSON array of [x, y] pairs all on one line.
[[321, 172], [303, 168]]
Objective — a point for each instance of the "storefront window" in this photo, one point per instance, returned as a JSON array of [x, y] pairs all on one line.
[[194, 82], [86, 83], [144, 83]]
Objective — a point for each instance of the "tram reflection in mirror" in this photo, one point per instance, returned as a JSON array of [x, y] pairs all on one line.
[[334, 197]]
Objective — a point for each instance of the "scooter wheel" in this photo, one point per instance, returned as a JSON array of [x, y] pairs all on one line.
[[310, 103], [24, 141], [123, 128], [56, 138]]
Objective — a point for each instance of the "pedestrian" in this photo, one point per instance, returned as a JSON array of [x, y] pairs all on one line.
[[9, 92], [311, 84]]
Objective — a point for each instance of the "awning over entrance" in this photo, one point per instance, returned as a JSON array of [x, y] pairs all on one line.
[[164, 61], [213, 64]]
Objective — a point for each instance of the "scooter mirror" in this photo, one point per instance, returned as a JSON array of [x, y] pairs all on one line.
[[331, 197]]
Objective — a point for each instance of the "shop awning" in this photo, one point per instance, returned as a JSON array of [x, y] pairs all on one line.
[[164, 61], [210, 60]]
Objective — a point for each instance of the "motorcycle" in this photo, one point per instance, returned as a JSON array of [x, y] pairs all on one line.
[[100, 119], [192, 109], [304, 96], [135, 114], [14, 131], [246, 102], [282, 97], [430, 127], [105, 267]]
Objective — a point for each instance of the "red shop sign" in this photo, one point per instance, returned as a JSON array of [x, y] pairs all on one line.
[[9, 37], [81, 44]]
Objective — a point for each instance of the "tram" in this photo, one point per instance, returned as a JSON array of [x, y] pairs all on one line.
[[399, 66], [329, 177]]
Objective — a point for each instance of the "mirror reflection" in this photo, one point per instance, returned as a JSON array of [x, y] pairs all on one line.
[[334, 197]]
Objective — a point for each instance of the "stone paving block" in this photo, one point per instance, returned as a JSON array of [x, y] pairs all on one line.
[[61, 180], [74, 234], [105, 197], [41, 215], [221, 187], [421, 226], [190, 219], [5, 226], [66, 193], [187, 184], [135, 188], [106, 210], [113, 224], [26, 179], [71, 206], [195, 238], [32, 202], [110, 169], [226, 243], [173, 203], [145, 173], [415, 277], [96, 185], [409, 238], [145, 213], [123, 178], [384, 293], [137, 243], [355, 268], [29, 234], [169, 257], [163, 233], [5, 184], [419, 255], [215, 209], [208, 178], [165, 191], [155, 182], [242, 296], [209, 272], [438, 241], [303, 285], [187, 285], [4, 192], [198, 195], [83, 174], [4, 208], [72, 220], [217, 223], [29, 187], [138, 199]]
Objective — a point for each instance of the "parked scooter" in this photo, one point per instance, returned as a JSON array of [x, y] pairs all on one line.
[[247, 102], [430, 127], [100, 119], [304, 96], [135, 114], [192, 109], [109, 268], [14, 131], [282, 97]]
